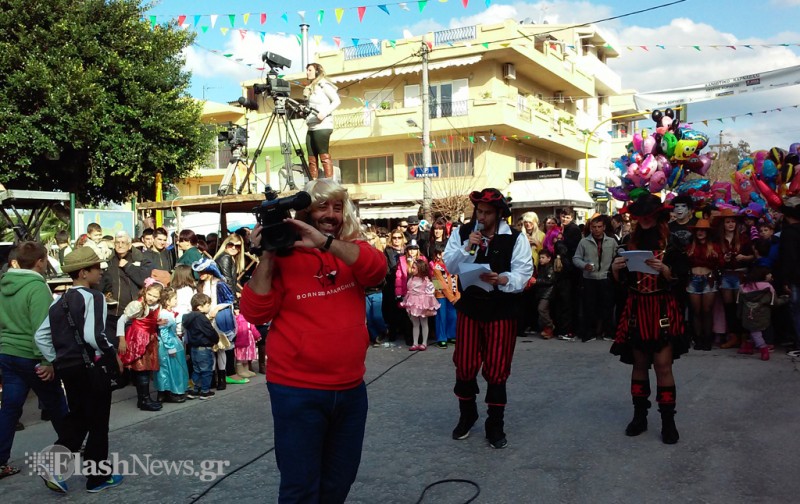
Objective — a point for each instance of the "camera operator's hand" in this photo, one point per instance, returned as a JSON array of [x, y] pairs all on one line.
[[310, 237], [255, 242], [261, 280]]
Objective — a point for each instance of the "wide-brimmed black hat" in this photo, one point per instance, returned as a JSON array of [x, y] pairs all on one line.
[[493, 197], [648, 205]]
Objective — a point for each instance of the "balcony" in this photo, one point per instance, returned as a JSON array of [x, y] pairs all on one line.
[[446, 108], [362, 51], [606, 80], [448, 37]]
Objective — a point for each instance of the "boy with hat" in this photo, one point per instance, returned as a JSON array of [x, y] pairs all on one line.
[[486, 324], [82, 309]]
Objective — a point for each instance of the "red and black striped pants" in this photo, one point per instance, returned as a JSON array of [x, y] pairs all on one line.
[[487, 344]]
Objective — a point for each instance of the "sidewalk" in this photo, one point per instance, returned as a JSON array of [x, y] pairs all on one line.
[[568, 407]]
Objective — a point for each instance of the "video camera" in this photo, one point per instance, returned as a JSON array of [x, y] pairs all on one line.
[[275, 86], [234, 136], [276, 234]]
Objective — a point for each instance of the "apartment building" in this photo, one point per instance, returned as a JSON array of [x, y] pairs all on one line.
[[505, 99]]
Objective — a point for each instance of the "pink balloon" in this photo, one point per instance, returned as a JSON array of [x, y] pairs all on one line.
[[637, 142], [648, 166], [663, 164], [658, 181], [648, 144]]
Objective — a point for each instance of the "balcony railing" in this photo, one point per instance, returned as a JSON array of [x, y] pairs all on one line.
[[362, 51], [448, 108], [353, 120], [523, 112], [443, 37]]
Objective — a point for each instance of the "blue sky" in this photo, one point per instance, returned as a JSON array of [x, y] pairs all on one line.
[[704, 23]]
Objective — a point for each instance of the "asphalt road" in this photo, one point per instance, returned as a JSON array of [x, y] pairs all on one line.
[[568, 407]]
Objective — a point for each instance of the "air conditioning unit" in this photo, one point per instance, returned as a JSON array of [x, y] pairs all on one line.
[[559, 97], [509, 72]]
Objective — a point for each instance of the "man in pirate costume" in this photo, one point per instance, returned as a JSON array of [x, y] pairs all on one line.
[[486, 324], [651, 324]]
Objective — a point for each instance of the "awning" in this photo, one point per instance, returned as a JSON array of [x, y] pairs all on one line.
[[435, 65], [360, 76], [387, 210], [547, 188]]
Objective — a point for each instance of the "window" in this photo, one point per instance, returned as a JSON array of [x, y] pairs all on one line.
[[451, 163], [379, 99], [209, 189], [367, 170], [449, 99], [524, 163]]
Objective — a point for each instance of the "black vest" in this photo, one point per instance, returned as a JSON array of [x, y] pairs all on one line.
[[484, 306]]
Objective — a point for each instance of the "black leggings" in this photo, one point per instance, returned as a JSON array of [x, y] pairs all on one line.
[[318, 141]]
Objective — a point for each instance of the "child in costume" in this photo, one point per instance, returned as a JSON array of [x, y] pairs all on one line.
[[446, 293], [172, 378], [245, 346], [420, 303]]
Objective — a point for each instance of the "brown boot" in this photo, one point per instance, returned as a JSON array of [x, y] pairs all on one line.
[[262, 360], [327, 165], [733, 341], [312, 167]]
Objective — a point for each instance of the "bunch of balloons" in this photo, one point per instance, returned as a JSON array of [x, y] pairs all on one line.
[[765, 176], [661, 160]]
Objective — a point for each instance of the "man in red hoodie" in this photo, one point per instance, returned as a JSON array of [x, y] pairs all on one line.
[[317, 344]]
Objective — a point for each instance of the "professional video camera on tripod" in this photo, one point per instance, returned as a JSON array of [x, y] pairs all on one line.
[[285, 109]]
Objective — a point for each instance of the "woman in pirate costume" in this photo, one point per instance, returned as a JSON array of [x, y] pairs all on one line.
[[651, 323]]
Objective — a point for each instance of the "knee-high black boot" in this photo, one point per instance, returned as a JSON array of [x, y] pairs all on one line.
[[466, 391], [221, 383], [640, 392], [496, 400], [144, 401], [665, 397]]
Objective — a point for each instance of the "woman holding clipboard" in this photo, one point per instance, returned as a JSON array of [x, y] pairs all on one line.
[[650, 323]]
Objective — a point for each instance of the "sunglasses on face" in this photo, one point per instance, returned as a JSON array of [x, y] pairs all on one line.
[[237, 245], [403, 225], [397, 237]]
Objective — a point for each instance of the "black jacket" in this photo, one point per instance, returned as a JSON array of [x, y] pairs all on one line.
[[544, 282], [124, 283], [787, 272], [162, 260], [198, 330], [227, 266]]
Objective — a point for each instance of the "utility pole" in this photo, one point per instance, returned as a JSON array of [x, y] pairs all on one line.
[[720, 145], [427, 197]]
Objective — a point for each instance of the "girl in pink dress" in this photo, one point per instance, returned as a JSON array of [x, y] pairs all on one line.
[[420, 303]]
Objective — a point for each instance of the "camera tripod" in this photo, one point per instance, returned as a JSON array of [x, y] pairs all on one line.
[[288, 139]]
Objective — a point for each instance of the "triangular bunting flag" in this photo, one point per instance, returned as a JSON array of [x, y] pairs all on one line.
[[661, 46], [465, 3], [471, 139], [318, 39], [214, 20], [505, 44], [430, 45], [421, 4], [153, 21], [197, 20], [224, 31], [705, 123], [227, 55], [384, 8], [403, 6], [697, 47], [733, 118], [262, 35], [392, 43], [246, 17], [748, 46], [485, 45], [302, 15], [355, 41], [732, 47], [299, 39], [337, 41], [720, 120], [481, 136], [320, 15], [645, 48], [263, 17], [505, 138], [204, 28], [232, 19], [339, 13], [488, 2], [750, 114], [285, 17], [242, 33], [181, 19], [361, 11]]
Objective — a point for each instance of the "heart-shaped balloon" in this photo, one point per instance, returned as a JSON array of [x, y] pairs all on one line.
[[618, 193]]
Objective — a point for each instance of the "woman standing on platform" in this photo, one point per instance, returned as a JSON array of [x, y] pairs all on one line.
[[323, 98], [651, 323]]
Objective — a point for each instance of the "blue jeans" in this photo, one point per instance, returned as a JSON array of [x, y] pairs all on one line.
[[318, 440], [445, 320], [375, 323], [202, 368], [19, 377]]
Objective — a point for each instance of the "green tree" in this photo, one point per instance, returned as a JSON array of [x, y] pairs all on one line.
[[94, 101]]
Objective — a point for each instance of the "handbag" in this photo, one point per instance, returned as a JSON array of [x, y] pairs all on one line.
[[104, 374], [223, 344]]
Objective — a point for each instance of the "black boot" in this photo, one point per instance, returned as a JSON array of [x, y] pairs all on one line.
[[221, 384], [494, 426], [639, 422], [144, 401], [669, 433], [262, 360], [469, 415]]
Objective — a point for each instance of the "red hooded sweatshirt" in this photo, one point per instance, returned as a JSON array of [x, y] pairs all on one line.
[[318, 338]]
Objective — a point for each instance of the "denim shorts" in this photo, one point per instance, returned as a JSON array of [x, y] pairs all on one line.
[[730, 280], [701, 284]]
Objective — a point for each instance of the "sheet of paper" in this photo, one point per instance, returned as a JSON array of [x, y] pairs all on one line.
[[470, 274], [636, 259]]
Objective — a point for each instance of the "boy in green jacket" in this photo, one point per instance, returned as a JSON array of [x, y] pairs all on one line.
[[24, 301]]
